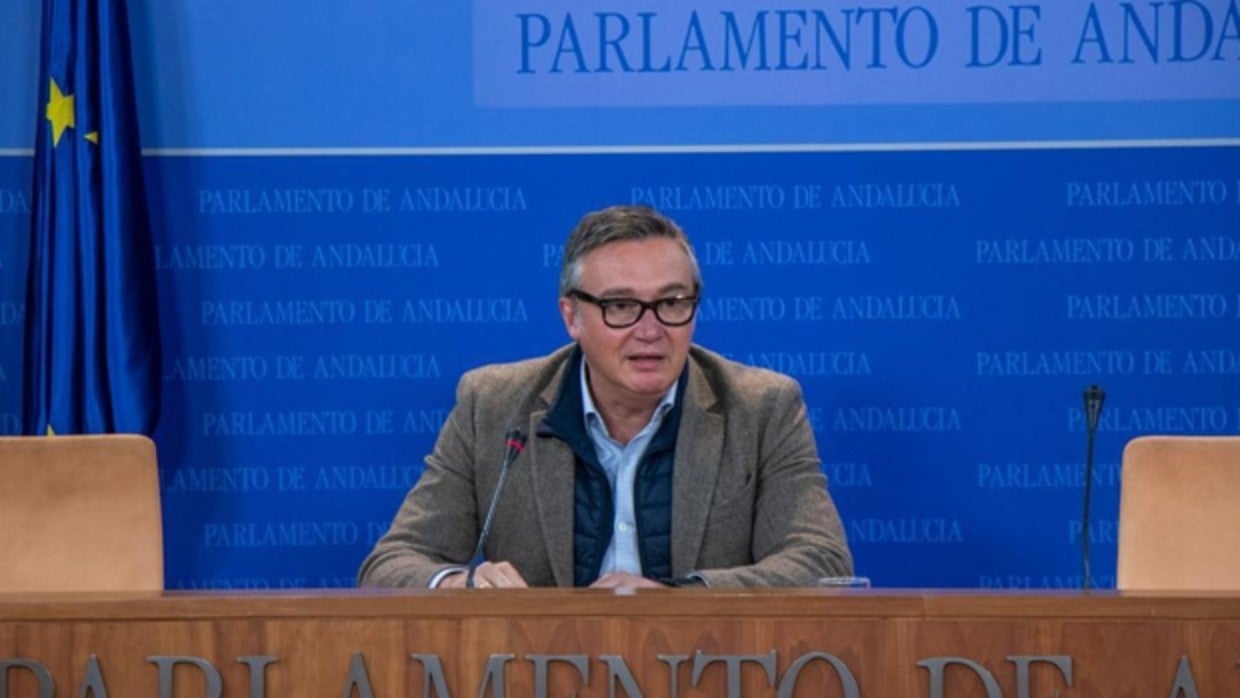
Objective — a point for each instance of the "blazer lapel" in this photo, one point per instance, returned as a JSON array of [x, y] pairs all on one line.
[[554, 466], [699, 445]]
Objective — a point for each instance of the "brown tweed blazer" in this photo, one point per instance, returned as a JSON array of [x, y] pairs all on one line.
[[750, 505]]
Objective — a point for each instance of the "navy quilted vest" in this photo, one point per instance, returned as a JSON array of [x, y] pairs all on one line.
[[593, 507]]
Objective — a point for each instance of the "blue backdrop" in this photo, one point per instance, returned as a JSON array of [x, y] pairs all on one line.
[[355, 203]]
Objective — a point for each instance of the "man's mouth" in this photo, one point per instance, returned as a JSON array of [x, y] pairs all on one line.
[[646, 360]]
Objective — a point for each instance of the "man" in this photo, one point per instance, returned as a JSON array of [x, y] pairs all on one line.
[[650, 461]]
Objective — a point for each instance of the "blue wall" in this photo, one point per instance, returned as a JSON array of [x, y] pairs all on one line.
[[355, 202]]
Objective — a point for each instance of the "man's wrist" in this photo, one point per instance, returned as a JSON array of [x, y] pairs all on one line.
[[444, 574]]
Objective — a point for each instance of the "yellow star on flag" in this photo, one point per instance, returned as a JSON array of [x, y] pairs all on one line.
[[59, 112]]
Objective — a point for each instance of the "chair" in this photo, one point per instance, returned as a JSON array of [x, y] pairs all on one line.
[[1179, 514], [80, 513]]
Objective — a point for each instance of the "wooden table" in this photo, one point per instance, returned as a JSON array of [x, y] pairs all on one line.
[[674, 642]]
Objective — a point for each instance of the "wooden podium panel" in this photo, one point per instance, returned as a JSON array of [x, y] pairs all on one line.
[[677, 642]]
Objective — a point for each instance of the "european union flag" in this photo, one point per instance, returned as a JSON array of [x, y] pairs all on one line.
[[92, 333]]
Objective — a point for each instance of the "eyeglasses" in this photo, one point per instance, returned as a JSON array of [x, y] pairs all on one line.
[[618, 313]]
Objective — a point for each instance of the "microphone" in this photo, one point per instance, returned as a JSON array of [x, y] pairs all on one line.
[[514, 445], [1094, 396]]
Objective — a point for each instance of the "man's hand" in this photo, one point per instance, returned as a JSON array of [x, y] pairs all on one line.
[[497, 575], [626, 580]]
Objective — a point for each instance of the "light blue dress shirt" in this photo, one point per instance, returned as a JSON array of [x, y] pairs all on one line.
[[620, 462]]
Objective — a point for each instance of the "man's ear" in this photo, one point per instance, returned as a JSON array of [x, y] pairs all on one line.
[[568, 312]]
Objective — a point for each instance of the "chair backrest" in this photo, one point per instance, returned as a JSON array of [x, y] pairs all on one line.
[[80, 513], [1179, 514]]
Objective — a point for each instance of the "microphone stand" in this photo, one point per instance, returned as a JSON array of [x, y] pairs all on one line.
[[1093, 409], [515, 444]]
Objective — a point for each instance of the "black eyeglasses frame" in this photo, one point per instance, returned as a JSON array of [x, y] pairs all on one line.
[[652, 306]]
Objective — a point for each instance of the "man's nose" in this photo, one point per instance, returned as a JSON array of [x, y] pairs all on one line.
[[648, 325]]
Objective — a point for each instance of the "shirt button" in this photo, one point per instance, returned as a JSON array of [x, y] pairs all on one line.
[[624, 527]]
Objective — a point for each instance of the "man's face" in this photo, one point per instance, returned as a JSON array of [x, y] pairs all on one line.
[[639, 363]]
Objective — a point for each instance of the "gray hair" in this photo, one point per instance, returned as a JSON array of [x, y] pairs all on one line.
[[617, 224]]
